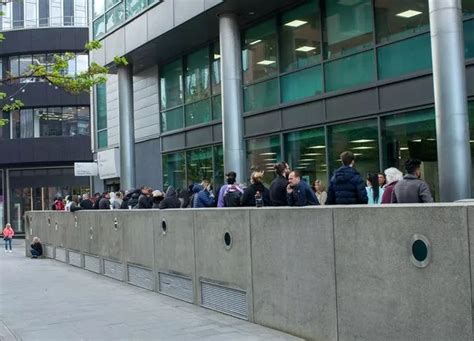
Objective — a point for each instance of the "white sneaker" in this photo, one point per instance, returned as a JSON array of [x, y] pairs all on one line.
[[11, 251]]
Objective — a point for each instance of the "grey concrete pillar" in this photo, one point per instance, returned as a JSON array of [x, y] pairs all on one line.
[[449, 79], [232, 105], [127, 127]]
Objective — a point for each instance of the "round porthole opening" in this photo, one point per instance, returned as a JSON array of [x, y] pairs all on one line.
[[420, 251], [164, 226], [227, 240]]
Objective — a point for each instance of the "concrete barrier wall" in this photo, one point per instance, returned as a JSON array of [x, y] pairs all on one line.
[[332, 273]]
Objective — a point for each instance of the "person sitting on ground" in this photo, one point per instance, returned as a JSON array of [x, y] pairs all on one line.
[[86, 203], [393, 175], [279, 184], [411, 189], [171, 199], [36, 249], [347, 186], [205, 197], [299, 193], [320, 192], [374, 192], [230, 194], [256, 187], [157, 198]]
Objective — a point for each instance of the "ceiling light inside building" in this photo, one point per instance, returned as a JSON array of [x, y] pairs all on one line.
[[269, 154], [266, 62], [306, 48], [296, 23], [362, 141], [317, 147], [419, 140], [269, 159], [408, 14], [358, 154], [303, 160], [403, 148], [256, 42], [363, 148], [217, 56], [312, 154]]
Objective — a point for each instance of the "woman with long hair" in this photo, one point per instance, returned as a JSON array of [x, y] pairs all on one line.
[[374, 192], [320, 192]]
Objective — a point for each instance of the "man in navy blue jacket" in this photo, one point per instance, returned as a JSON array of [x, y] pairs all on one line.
[[347, 186], [298, 192]]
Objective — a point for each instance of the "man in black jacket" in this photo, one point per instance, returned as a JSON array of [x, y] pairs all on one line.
[[279, 184], [298, 192], [347, 186], [86, 203]]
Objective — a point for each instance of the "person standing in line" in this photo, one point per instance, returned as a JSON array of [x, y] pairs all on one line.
[[382, 180], [392, 175], [36, 248], [104, 203], [411, 189], [230, 194], [347, 186], [86, 203], [205, 197], [256, 190], [320, 192], [298, 192], [171, 199], [8, 234], [279, 184], [374, 192]]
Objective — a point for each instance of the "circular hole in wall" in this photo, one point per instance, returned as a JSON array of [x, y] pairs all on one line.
[[420, 251], [227, 240]]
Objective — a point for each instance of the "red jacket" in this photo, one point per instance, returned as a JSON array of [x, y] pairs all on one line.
[[8, 232]]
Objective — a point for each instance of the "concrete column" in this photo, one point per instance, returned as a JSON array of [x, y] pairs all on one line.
[[232, 104], [449, 79], [127, 127]]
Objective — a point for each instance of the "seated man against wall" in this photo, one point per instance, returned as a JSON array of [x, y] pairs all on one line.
[[299, 193], [36, 248], [347, 186], [411, 189]]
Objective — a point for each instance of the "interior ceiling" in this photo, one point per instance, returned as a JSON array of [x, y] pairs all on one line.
[[177, 41]]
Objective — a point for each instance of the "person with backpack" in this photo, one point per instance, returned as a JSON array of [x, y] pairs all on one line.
[[231, 193]]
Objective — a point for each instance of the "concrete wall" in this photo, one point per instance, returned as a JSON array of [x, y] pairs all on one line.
[[341, 273]]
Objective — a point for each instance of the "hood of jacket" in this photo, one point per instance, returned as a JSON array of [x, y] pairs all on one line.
[[171, 192], [197, 188], [345, 174]]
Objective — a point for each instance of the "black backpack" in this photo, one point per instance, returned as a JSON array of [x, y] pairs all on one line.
[[232, 197]]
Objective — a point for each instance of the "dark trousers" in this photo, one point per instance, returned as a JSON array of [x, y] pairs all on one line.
[[35, 253]]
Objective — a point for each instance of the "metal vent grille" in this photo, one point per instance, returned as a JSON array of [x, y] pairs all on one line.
[[113, 269], [226, 300], [75, 258], [176, 286], [49, 251], [140, 277], [92, 263], [60, 254]]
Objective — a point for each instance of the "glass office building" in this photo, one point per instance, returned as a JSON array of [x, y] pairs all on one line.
[[318, 77]]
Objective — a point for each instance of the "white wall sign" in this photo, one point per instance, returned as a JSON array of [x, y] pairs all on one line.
[[85, 169], [109, 164]]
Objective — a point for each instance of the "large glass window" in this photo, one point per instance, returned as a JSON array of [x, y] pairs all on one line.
[[259, 56], [301, 84], [300, 33], [218, 166], [197, 78], [468, 7], [471, 134], [350, 71], [22, 124], [404, 57], [43, 13], [114, 17], [50, 121], [99, 27], [412, 135], [305, 151], [18, 13], [174, 170], [68, 12], [359, 137], [262, 154], [171, 88], [348, 26], [216, 69], [469, 39], [101, 114], [261, 95], [24, 68], [199, 165], [172, 119], [135, 6], [199, 112], [99, 7], [397, 19]]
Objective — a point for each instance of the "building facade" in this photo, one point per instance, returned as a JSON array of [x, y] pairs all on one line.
[[41, 142], [318, 77]]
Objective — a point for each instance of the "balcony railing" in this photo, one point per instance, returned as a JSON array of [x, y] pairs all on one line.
[[68, 21]]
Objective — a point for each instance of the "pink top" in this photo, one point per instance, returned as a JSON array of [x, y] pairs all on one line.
[[8, 232]]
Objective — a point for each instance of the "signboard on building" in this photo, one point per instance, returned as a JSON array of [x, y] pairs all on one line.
[[108, 162], [85, 169]]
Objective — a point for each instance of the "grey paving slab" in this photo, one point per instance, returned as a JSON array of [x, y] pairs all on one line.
[[43, 299]]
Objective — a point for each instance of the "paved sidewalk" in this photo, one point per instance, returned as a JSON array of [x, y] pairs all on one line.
[[43, 299]]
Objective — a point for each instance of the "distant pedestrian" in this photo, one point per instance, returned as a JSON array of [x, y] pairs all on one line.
[[374, 192], [279, 184], [157, 197], [411, 189], [230, 194], [320, 192], [299, 193], [256, 191], [117, 203], [86, 203], [382, 180], [104, 203], [171, 199], [347, 186], [8, 234], [144, 200], [36, 248], [205, 197], [58, 204], [392, 175]]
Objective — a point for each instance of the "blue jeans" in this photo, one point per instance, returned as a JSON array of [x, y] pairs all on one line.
[[34, 253], [8, 241]]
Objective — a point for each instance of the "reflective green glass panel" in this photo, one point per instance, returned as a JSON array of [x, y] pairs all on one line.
[[174, 171], [259, 54], [171, 85], [135, 6], [216, 107], [261, 95], [110, 3], [114, 17], [404, 57], [102, 139], [397, 19], [350, 71], [99, 7], [199, 165], [262, 154], [305, 151], [199, 112], [216, 69], [171, 120], [468, 7], [99, 26], [471, 134], [348, 26], [301, 84], [469, 39], [359, 137], [300, 32], [197, 85], [101, 106], [218, 166], [412, 135]]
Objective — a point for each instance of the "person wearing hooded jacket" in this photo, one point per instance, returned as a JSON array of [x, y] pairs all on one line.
[[347, 186], [205, 197], [248, 198], [171, 199]]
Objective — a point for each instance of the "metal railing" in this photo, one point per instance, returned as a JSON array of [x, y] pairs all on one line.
[[64, 21]]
